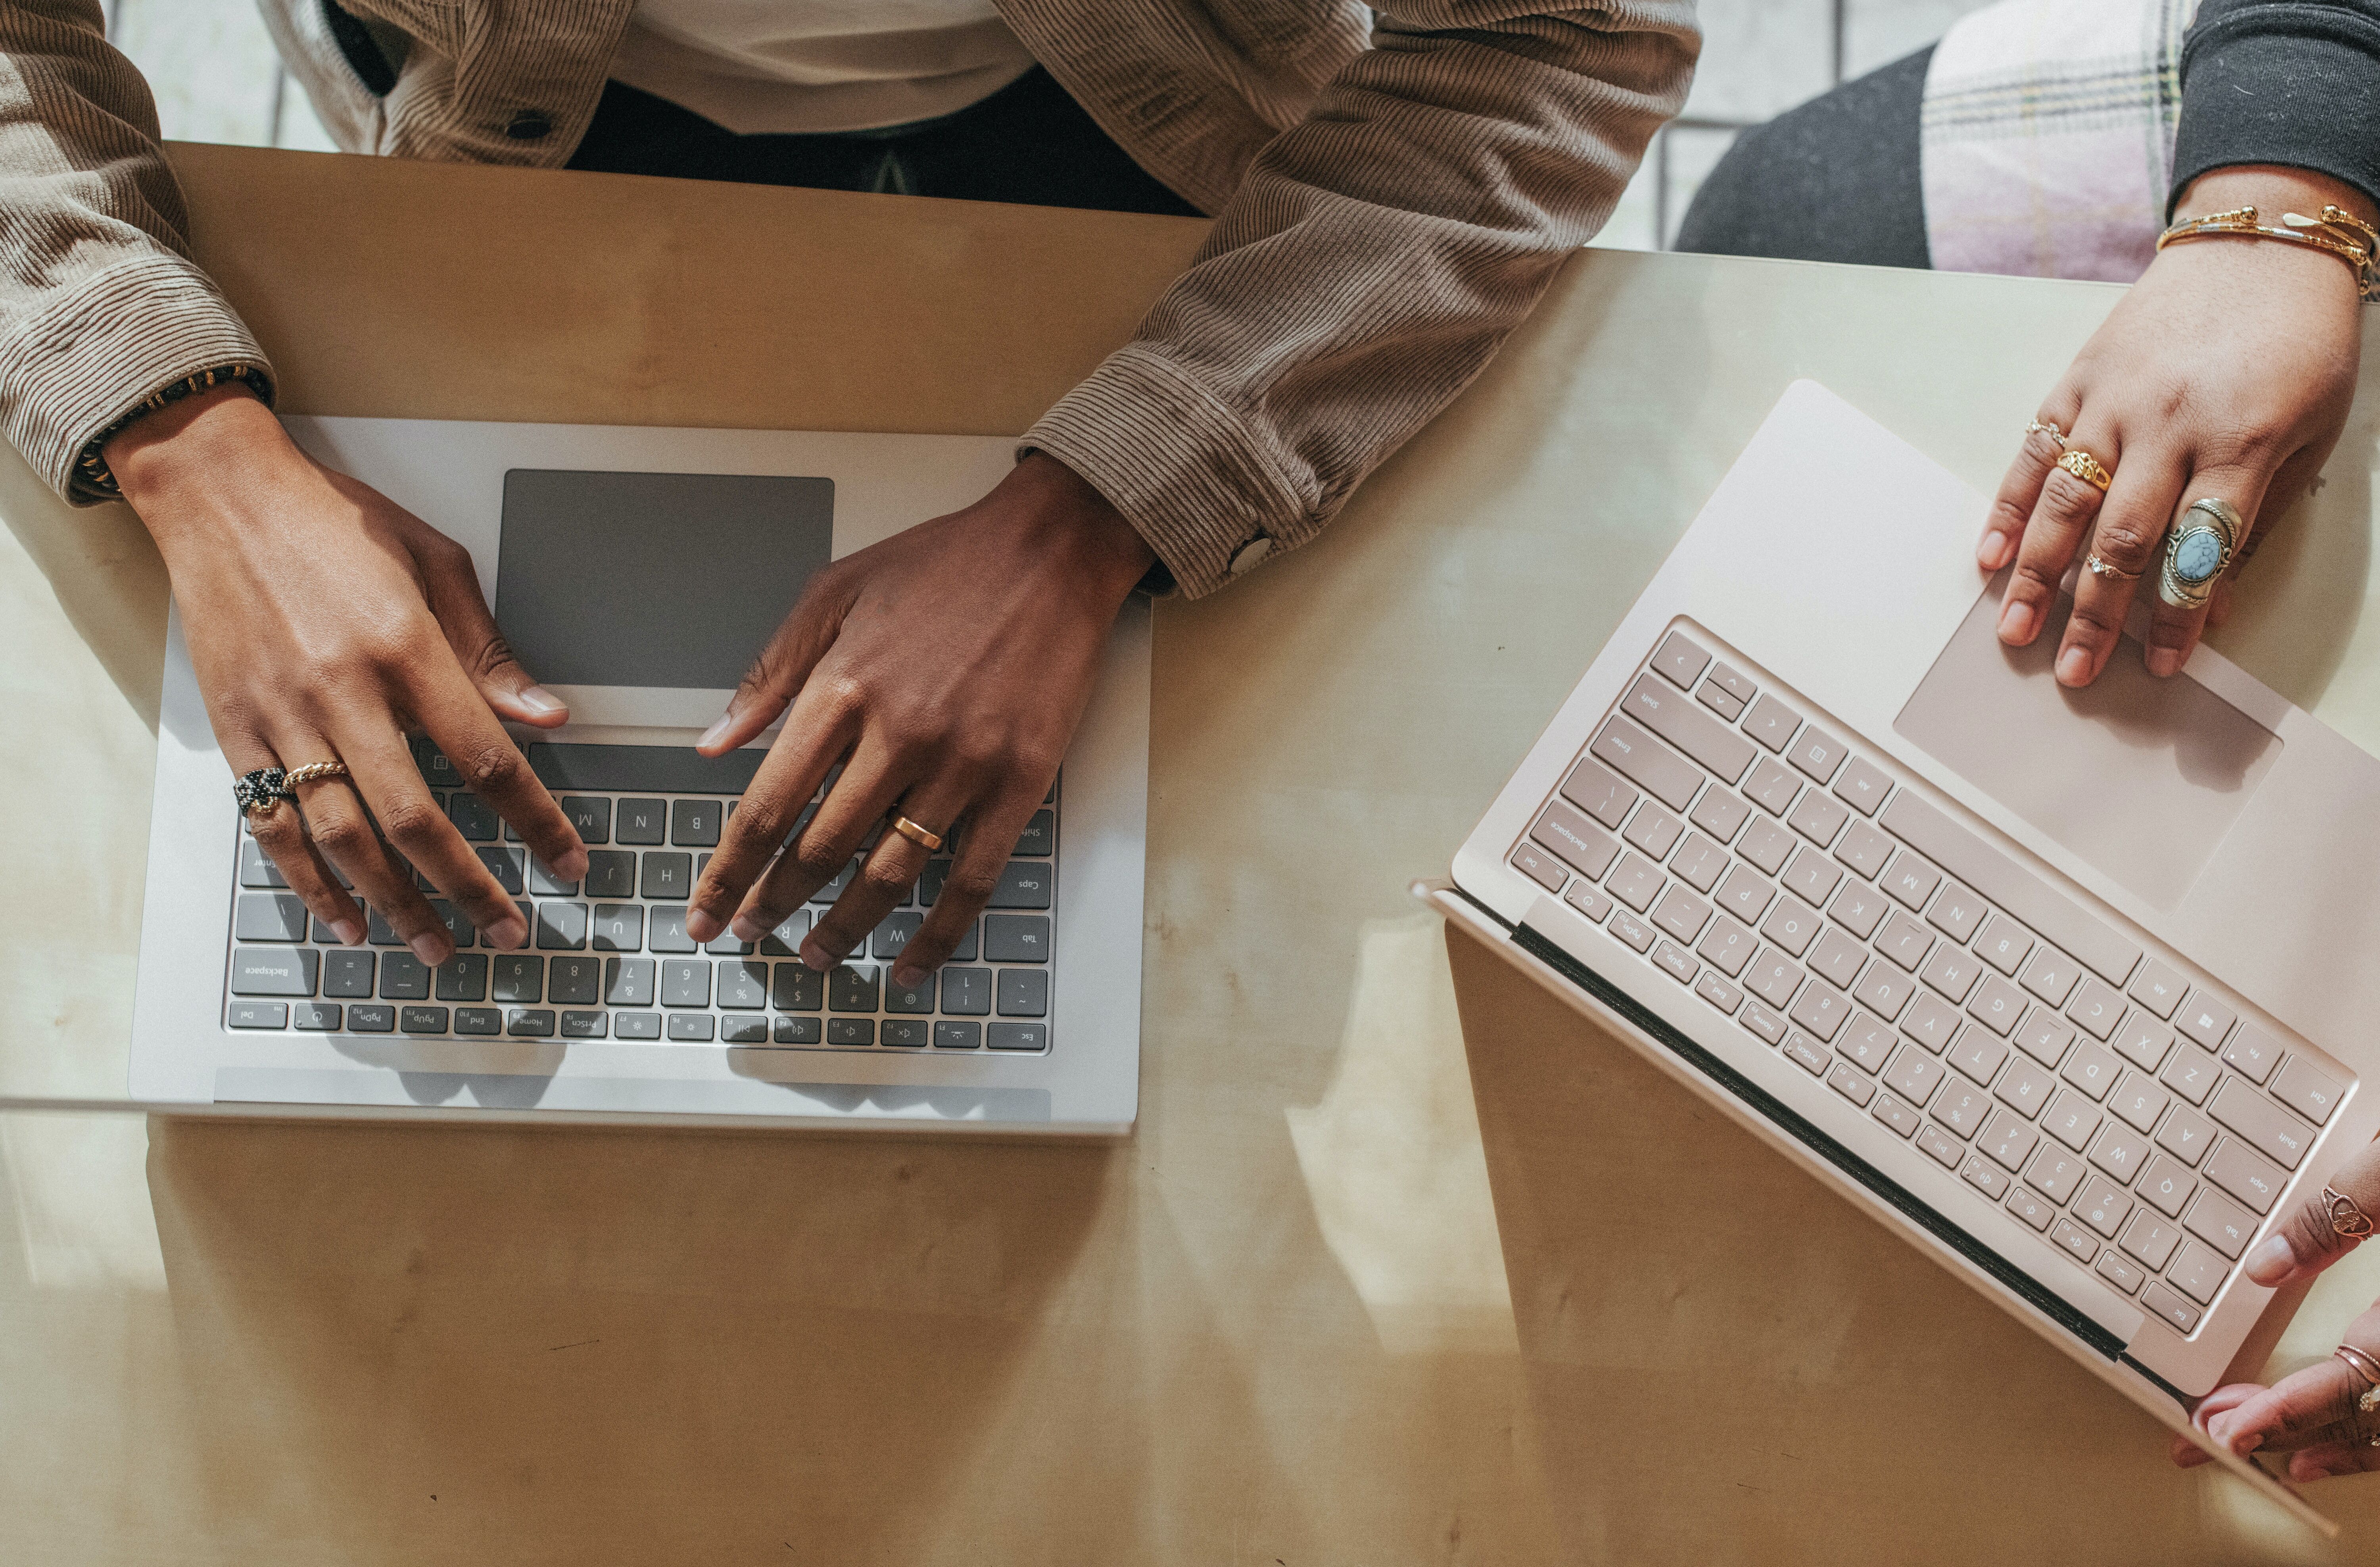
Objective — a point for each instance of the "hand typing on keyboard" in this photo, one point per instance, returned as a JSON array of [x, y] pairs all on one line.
[[945, 668], [323, 621], [2314, 1415]]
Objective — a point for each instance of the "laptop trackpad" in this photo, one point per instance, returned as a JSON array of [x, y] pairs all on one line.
[[2141, 777]]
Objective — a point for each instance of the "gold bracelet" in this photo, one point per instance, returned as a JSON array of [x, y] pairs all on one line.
[[2335, 231]]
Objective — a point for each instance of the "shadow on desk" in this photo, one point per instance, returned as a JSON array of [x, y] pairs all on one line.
[[1726, 1362], [497, 1346]]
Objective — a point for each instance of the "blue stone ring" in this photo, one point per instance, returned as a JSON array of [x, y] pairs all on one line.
[[2199, 550]]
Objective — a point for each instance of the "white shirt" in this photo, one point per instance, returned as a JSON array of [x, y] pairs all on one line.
[[805, 66]]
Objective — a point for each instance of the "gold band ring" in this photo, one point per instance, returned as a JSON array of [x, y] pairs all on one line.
[[926, 837], [2347, 1219], [314, 773], [2085, 467], [2049, 427], [2359, 1363], [2103, 568]]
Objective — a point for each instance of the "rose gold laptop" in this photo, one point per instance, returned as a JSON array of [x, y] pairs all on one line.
[[2069, 988]]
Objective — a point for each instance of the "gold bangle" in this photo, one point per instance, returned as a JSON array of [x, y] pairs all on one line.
[[2085, 467], [2335, 231]]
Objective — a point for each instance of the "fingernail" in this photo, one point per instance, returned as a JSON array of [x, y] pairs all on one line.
[[428, 949], [2272, 1261], [718, 727], [701, 924], [2163, 661], [747, 929], [539, 700], [1994, 553], [2016, 622], [507, 933], [2075, 667], [815, 955], [908, 978], [349, 932]]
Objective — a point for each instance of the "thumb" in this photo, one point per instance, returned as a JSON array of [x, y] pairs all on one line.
[[2324, 1226], [509, 689], [777, 675]]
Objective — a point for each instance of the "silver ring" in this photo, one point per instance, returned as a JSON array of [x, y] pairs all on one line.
[[2049, 427], [2198, 551], [2359, 1363]]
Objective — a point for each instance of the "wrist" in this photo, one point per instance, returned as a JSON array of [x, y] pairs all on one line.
[[1096, 537], [176, 467], [2272, 189]]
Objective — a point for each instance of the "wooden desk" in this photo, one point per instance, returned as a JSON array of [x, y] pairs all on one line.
[[1274, 1326]]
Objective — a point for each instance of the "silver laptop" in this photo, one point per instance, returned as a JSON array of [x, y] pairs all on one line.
[[636, 571], [2071, 990]]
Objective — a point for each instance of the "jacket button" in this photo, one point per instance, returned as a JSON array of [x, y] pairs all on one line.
[[529, 126], [1250, 554]]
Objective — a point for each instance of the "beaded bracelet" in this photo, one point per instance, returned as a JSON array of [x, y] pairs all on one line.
[[93, 467], [2337, 231]]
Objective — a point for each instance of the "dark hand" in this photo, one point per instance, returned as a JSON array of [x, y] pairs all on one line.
[[323, 622], [945, 668], [2226, 372]]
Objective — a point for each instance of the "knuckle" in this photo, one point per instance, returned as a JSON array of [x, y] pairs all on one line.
[[2124, 542], [971, 884], [341, 834], [411, 824], [491, 769], [2309, 1235], [2066, 500], [817, 860], [883, 881], [2007, 516]]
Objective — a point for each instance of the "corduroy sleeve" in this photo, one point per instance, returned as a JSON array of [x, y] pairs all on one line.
[[1368, 266], [100, 305], [2295, 82]]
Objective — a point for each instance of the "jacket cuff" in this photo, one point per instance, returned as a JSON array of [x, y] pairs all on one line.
[[2291, 82], [96, 351], [1187, 473]]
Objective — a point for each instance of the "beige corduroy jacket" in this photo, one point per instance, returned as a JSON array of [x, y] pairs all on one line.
[[1394, 190]]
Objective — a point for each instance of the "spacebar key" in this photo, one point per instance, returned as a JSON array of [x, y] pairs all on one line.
[[2011, 885], [1665, 775]]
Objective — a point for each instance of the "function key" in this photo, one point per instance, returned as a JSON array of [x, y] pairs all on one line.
[[958, 1036], [797, 1031], [1817, 753], [315, 1017], [2206, 1018], [635, 1025], [374, 1019], [2117, 1272], [1680, 661], [1771, 722], [583, 1026], [2158, 989]]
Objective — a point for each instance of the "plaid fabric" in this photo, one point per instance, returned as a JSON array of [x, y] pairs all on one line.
[[2046, 137]]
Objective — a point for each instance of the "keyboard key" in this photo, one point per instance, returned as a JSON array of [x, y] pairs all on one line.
[[256, 867], [1671, 960], [379, 931], [313, 1017], [2119, 1151], [2117, 1272], [1744, 895], [1594, 790], [1904, 940], [742, 984], [403, 977], [257, 1015], [2070, 1119], [2102, 1205], [2252, 1051], [2197, 1272], [611, 873], [1762, 1022], [2158, 989], [618, 928], [691, 1027], [1939, 1147], [1931, 1022], [891, 938], [1909, 880], [473, 818], [1977, 1054], [1803, 1052], [851, 990], [2025, 1087], [1772, 978], [1039, 838], [1915, 1074], [1767, 844], [1816, 753], [1021, 992], [1631, 929], [583, 1026], [1720, 701], [1771, 722], [1867, 1044], [1700, 863], [1851, 1085], [281, 971], [795, 986], [1863, 786], [628, 981], [1951, 970], [642, 821], [2051, 976], [1024, 883], [2142, 1040], [592, 816], [479, 1020], [1719, 992], [1774, 785], [1895, 1115], [2008, 1139], [1584, 847], [1728, 947], [1819, 818], [686, 981], [2185, 1135], [2270, 1129], [1858, 909], [1821, 1010], [1793, 924], [1811, 877], [665, 928], [1681, 914], [1997, 1005], [421, 1020], [544, 883], [1960, 1106], [2074, 1239], [694, 823], [269, 917], [2140, 1101], [1637, 882], [2030, 1209], [2001, 881], [1016, 1036], [562, 926], [1734, 684], [906, 1033], [1653, 767], [1837, 958], [2096, 1009], [2302, 1088], [2165, 1185], [1579, 896], [2004, 944], [1865, 849], [2191, 1074], [2240, 1171], [636, 1026], [504, 865], [1719, 813], [743, 1028], [2092, 1070], [797, 1031], [2055, 1172], [2205, 1019], [1539, 866], [2044, 1037], [514, 977], [2176, 1311], [1654, 831], [1680, 660], [463, 977], [1979, 1173], [667, 874]]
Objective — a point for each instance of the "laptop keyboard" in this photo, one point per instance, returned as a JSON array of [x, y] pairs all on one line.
[[2115, 1102], [610, 958]]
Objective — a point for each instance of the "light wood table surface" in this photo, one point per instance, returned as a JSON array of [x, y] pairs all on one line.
[[1274, 1326]]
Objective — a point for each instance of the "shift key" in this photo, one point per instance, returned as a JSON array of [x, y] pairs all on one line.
[[1667, 776], [2281, 1136], [1675, 719]]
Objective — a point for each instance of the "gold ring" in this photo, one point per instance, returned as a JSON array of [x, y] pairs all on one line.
[[2347, 1219], [2049, 427], [2359, 1363], [2102, 568], [2085, 467], [924, 836], [314, 773]]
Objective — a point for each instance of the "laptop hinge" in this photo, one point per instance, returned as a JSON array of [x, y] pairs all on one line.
[[1784, 1116]]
